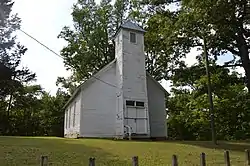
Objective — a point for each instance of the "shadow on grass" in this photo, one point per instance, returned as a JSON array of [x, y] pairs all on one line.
[[66, 152], [222, 145]]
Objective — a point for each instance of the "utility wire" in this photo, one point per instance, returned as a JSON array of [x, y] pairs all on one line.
[[41, 43], [61, 56], [104, 82]]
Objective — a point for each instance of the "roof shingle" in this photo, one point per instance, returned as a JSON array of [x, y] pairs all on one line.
[[131, 25]]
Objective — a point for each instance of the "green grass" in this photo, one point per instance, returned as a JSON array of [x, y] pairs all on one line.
[[20, 151]]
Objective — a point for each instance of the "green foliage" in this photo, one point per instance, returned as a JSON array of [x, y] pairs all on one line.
[[34, 112], [188, 108], [52, 113], [12, 84], [171, 34], [223, 24], [25, 109], [119, 12], [89, 45]]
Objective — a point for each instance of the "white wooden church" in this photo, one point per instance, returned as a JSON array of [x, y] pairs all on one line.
[[122, 98]]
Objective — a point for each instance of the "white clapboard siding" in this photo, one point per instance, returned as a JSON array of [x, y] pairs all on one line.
[[98, 106], [98, 111], [72, 118], [131, 77], [157, 113]]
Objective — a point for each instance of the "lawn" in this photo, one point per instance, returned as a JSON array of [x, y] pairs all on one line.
[[20, 151]]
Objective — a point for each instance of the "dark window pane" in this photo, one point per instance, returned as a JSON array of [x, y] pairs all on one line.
[[130, 103], [140, 104], [132, 37]]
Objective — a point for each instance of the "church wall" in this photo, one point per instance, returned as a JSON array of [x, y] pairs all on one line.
[[72, 118], [98, 109], [157, 113]]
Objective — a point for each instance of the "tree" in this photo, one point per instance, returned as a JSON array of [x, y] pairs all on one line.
[[5, 75], [52, 113], [90, 44], [224, 24], [25, 111], [188, 107], [10, 58], [199, 24], [35, 112], [120, 13], [163, 52]]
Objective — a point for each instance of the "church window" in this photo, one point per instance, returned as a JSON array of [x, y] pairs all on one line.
[[139, 104], [130, 103], [132, 37]]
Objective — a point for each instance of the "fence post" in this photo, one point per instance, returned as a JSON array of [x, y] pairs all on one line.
[[227, 158], [174, 160], [203, 159], [44, 161], [91, 161], [135, 161], [247, 157]]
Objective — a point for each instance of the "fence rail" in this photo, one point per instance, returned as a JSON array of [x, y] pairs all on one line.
[[135, 160]]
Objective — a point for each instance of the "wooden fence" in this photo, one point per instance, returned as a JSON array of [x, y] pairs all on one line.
[[135, 160]]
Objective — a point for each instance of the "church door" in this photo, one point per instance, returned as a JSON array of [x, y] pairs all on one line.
[[136, 117]]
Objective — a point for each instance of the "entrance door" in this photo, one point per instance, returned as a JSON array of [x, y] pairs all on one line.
[[136, 118], [141, 121]]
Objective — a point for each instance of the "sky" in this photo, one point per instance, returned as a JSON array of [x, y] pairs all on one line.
[[44, 19]]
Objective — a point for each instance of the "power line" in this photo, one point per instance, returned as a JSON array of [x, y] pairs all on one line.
[[41, 43], [105, 82], [61, 56]]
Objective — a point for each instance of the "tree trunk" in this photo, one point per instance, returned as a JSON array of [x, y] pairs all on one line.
[[244, 55], [246, 66], [7, 125], [210, 95]]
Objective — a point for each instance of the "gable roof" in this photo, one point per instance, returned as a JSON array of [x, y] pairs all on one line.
[[89, 81]]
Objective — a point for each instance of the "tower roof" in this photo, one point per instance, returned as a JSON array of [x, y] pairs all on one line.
[[131, 25]]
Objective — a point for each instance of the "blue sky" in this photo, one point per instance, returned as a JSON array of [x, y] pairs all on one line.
[[44, 20]]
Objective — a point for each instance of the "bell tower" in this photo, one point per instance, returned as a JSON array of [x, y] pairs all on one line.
[[132, 101]]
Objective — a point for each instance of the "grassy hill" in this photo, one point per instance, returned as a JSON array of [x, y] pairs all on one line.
[[20, 151]]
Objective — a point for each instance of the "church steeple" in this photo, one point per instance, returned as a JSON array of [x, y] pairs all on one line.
[[130, 69], [131, 31]]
